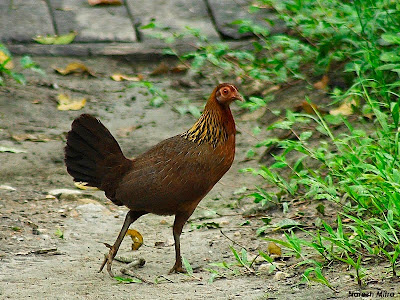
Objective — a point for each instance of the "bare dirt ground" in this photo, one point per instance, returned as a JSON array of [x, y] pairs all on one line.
[[37, 263]]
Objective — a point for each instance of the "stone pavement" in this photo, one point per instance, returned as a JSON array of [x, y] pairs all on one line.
[[116, 30]]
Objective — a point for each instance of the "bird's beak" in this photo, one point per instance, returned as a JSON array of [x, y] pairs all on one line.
[[239, 97]]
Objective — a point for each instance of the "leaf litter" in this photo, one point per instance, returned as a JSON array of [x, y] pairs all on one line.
[[56, 39], [76, 68], [66, 103]]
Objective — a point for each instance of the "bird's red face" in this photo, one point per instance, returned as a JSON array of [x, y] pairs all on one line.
[[226, 93]]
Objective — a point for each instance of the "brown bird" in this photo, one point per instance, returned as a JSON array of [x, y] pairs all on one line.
[[169, 179]]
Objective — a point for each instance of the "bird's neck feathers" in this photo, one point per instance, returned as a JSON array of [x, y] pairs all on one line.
[[214, 126]]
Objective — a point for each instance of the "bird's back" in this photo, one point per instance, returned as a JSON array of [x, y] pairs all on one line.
[[174, 175]]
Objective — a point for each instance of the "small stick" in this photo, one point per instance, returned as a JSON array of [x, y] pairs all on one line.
[[236, 243]]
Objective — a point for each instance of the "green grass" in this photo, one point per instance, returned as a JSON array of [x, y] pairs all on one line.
[[358, 169], [6, 67]]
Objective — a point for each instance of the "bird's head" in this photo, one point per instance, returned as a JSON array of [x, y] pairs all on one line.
[[225, 93]]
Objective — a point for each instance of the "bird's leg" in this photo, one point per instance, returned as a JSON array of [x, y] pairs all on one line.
[[180, 220], [131, 217]]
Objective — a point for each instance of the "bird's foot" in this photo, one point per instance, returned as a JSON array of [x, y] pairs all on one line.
[[177, 269], [108, 259]]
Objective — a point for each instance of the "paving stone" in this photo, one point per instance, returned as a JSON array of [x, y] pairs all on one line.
[[174, 15], [224, 12], [149, 50], [93, 23], [21, 20]]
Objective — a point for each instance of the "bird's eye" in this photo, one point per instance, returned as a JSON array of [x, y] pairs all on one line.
[[225, 91]]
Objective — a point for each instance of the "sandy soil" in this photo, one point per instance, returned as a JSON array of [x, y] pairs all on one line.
[[36, 263]]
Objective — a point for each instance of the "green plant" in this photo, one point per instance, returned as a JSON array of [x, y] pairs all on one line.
[[7, 65], [59, 233], [159, 97]]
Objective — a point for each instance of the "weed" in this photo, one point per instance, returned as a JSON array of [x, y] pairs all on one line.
[[7, 65], [59, 233]]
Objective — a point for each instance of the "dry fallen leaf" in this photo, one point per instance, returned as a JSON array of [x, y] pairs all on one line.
[[75, 68], [322, 84], [84, 186], [66, 103], [3, 57], [31, 137], [274, 250], [137, 238], [56, 39], [122, 77], [346, 109], [162, 68], [309, 108], [105, 2], [179, 68]]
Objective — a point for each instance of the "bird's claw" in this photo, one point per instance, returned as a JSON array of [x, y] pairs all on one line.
[[177, 269], [108, 259]]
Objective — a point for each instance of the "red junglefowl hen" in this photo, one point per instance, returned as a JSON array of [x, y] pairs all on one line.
[[169, 179]]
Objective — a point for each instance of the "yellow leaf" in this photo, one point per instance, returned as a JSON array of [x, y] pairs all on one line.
[[274, 250], [137, 238], [75, 68], [4, 57], [84, 186], [121, 77], [66, 103], [56, 39]]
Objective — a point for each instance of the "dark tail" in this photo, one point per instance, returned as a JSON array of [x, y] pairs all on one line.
[[93, 155]]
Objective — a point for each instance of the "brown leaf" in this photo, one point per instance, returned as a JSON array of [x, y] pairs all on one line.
[[105, 2], [122, 77], [345, 109], [137, 238], [75, 68], [66, 103], [274, 250], [162, 68], [322, 84], [179, 68]]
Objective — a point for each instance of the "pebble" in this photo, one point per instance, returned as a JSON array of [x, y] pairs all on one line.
[[88, 200], [265, 268], [126, 257], [65, 194], [280, 275], [90, 208]]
